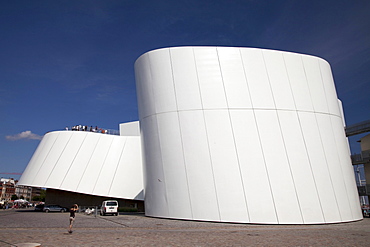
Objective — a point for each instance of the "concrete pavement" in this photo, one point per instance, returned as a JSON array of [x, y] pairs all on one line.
[[50, 229]]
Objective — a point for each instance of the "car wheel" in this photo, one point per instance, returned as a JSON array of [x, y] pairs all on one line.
[[47, 211], [63, 210]]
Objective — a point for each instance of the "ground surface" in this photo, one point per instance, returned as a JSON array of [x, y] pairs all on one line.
[[50, 229]]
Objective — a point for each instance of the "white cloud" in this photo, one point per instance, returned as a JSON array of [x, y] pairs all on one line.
[[24, 135]]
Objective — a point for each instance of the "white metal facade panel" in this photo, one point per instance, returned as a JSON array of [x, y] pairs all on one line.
[[257, 78], [315, 84], [209, 77], [162, 81], [144, 90], [278, 167], [129, 129], [79, 164], [37, 159], [154, 186], [95, 165], [250, 155], [300, 166], [198, 165], [346, 166], [185, 79], [52, 157], [174, 165], [279, 81], [125, 181], [109, 167], [335, 169], [225, 166], [329, 88], [233, 76], [319, 166], [62, 166], [298, 81]]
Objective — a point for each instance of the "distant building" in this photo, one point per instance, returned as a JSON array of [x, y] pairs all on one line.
[[7, 189], [10, 187], [23, 192], [35, 192], [365, 155]]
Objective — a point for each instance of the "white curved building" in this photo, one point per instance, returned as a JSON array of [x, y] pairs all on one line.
[[243, 135], [227, 134], [89, 163]]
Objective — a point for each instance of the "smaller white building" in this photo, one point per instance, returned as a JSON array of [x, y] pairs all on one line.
[[89, 163]]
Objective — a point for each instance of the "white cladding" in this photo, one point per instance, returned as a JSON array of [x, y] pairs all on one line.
[[90, 163], [243, 135]]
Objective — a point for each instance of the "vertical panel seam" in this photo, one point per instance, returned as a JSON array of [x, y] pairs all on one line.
[[56, 163], [181, 137], [207, 138], [281, 134], [290, 168], [155, 117], [45, 158], [79, 148], [102, 166], [87, 165], [341, 167], [233, 134], [303, 138], [308, 86], [61, 154], [260, 142], [118, 164], [326, 163], [35, 156], [331, 123], [321, 141]]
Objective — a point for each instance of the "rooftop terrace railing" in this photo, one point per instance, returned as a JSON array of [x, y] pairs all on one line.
[[92, 129]]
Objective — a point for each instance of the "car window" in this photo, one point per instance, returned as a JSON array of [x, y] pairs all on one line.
[[111, 203]]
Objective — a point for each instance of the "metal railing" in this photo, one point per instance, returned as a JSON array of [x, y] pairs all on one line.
[[362, 158], [358, 128], [93, 129]]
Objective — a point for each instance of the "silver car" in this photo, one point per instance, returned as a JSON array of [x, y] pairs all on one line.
[[54, 208]]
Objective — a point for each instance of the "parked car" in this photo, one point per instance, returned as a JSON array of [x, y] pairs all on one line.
[[39, 207], [109, 207], [54, 208]]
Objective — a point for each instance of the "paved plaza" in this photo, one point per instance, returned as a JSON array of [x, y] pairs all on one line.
[[50, 229]]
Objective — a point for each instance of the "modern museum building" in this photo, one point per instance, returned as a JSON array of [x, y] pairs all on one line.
[[225, 134]]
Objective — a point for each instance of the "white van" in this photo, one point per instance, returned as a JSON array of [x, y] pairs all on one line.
[[109, 207]]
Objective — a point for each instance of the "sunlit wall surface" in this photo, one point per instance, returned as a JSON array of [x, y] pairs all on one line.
[[90, 163], [243, 135]]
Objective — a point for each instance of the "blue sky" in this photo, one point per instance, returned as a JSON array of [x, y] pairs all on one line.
[[72, 62]]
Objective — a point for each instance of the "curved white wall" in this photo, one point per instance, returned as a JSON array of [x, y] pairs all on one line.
[[243, 135], [89, 163]]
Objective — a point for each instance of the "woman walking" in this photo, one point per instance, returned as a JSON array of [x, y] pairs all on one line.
[[72, 215]]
